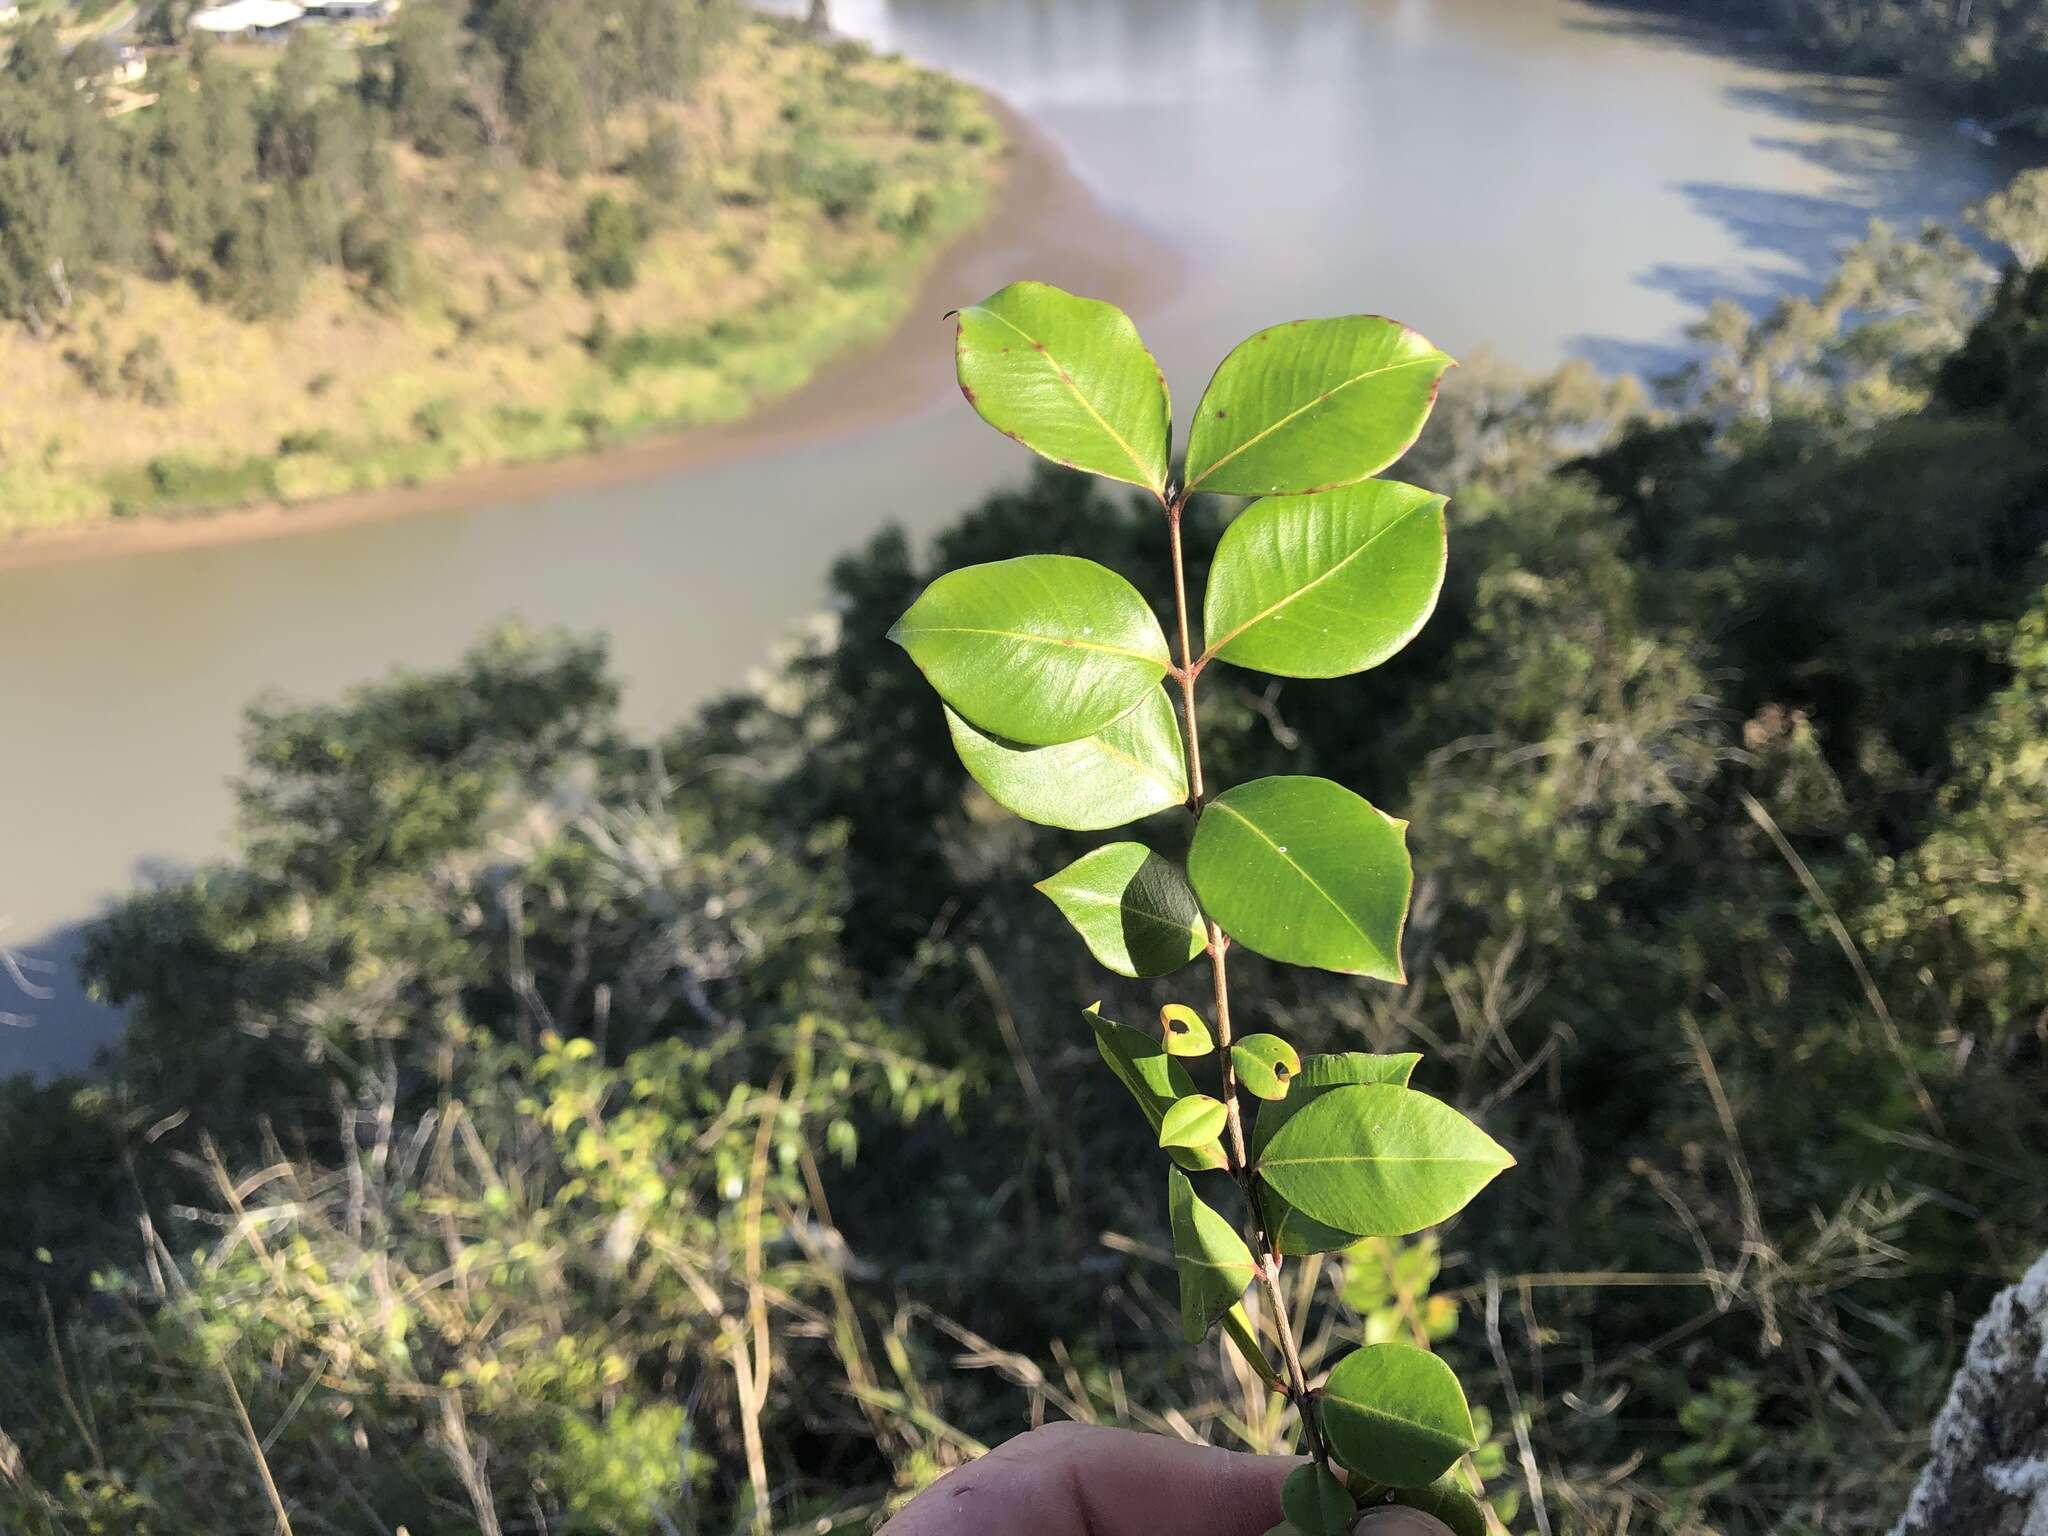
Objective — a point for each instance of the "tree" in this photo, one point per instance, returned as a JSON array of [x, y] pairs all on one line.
[[425, 86], [548, 104], [607, 243]]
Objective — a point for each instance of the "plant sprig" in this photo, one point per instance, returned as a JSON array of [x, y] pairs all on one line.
[[1067, 704]]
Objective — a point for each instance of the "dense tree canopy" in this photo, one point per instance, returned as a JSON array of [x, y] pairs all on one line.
[[536, 1122], [243, 186], [1986, 56]]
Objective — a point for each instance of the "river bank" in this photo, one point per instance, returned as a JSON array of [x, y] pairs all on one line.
[[840, 190], [1039, 216]]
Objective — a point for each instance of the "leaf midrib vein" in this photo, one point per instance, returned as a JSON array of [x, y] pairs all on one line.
[[1087, 405], [1180, 791], [1019, 634], [1381, 1415], [1307, 405], [1304, 1162], [1313, 884], [1302, 591], [1090, 899]]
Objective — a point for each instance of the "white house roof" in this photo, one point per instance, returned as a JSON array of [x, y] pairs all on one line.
[[248, 15]]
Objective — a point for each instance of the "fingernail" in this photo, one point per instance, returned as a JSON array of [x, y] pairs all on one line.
[[1393, 1520]]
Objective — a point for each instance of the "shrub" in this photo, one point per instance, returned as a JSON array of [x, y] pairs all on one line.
[[606, 244]]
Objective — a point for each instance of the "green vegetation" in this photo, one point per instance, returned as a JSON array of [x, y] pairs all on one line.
[[1982, 56], [1041, 659], [477, 236], [535, 1128]]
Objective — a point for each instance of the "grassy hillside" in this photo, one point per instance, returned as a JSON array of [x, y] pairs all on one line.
[[782, 212]]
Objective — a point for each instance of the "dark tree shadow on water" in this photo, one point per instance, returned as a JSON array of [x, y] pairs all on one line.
[[1744, 38], [1791, 242], [54, 1028]]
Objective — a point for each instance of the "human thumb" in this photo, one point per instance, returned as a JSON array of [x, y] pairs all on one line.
[[1393, 1520]]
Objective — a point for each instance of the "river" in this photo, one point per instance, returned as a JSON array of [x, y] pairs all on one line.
[[1547, 178]]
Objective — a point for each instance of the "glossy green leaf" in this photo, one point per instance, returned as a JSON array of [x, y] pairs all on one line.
[[1131, 907], [1448, 1500], [1293, 1233], [1239, 1327], [1305, 871], [1395, 1414], [1312, 404], [1324, 1071], [1184, 1032], [1068, 378], [1037, 650], [1379, 1161], [1194, 1121], [1316, 1503], [1324, 585], [1154, 1079], [1266, 1065], [1132, 767], [1215, 1266]]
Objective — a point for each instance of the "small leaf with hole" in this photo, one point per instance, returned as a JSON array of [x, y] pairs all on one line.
[[1154, 1079], [1266, 1065], [1184, 1031]]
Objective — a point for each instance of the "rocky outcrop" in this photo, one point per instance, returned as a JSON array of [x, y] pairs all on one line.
[[1987, 1465]]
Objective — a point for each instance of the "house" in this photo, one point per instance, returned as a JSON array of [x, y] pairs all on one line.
[[267, 21], [102, 65], [351, 10]]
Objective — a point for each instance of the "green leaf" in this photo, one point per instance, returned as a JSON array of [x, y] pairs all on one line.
[[1303, 870], [1379, 1161], [1341, 1069], [1310, 405], [1324, 585], [1215, 1266], [1320, 1073], [1447, 1499], [1038, 650], [1293, 1233], [1131, 907], [1068, 378], [1395, 1414], [1131, 768], [1184, 1031], [1154, 1079], [1194, 1121], [1266, 1065], [1315, 1503]]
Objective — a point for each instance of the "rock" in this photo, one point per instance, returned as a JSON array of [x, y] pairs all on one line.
[[1987, 1464]]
